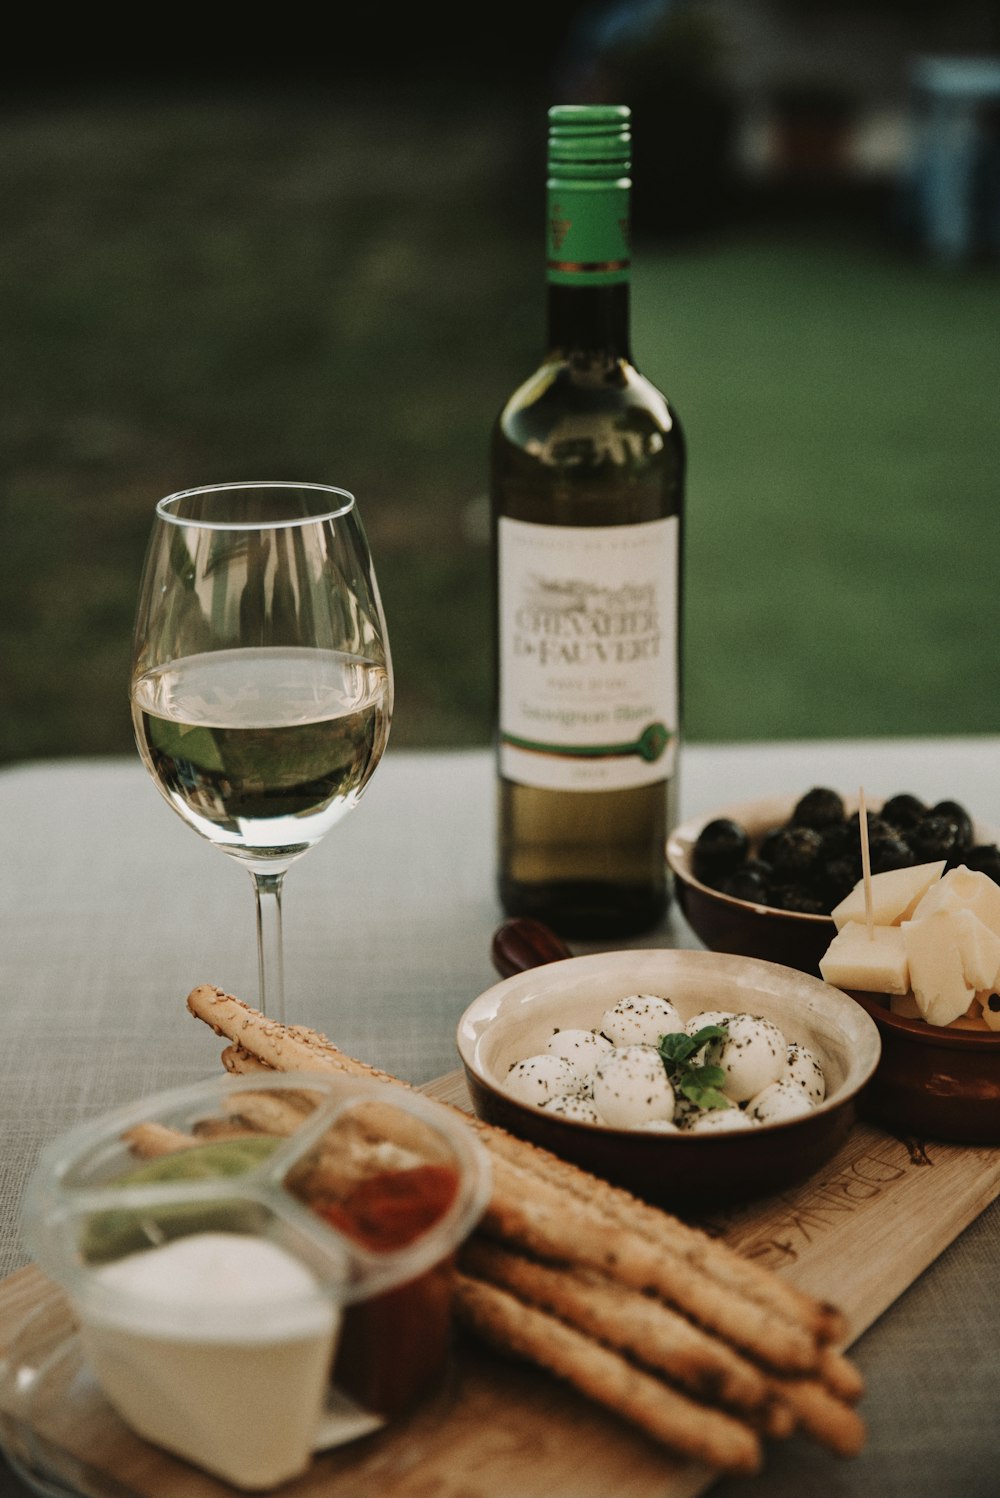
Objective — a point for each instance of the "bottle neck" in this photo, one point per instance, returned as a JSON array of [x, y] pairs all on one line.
[[592, 320]]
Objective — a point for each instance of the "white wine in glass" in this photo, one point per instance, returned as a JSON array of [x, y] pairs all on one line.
[[261, 677]]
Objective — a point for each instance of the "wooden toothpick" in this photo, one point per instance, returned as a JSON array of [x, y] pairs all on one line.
[[866, 863]]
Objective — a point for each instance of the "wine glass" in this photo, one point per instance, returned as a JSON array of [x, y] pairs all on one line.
[[261, 683]]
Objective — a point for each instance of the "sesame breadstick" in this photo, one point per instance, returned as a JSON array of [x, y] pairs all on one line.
[[832, 1422], [151, 1140], [281, 1113], [677, 1237], [842, 1377], [280, 1047], [536, 1217], [633, 1323], [692, 1430], [241, 1062], [209, 1130]]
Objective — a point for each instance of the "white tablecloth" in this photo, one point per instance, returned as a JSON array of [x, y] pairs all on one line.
[[111, 910]]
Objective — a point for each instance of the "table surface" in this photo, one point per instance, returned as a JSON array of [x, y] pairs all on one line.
[[111, 910]]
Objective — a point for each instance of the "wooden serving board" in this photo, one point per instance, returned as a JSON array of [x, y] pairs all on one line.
[[859, 1231]]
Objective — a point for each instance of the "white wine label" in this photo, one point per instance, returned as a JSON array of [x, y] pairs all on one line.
[[588, 654]]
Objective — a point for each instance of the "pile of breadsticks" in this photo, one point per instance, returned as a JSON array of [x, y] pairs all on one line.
[[703, 1350]]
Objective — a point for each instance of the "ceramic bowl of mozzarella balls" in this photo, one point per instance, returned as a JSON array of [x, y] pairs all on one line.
[[688, 1077]]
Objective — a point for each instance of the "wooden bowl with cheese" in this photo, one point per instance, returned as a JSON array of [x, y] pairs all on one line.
[[922, 955], [933, 1083], [938, 1076]]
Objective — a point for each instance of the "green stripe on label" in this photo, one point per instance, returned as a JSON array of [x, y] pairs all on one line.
[[650, 745]]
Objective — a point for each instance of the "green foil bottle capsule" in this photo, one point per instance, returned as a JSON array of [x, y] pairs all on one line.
[[590, 151], [587, 482]]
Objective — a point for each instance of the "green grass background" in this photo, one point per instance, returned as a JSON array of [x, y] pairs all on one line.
[[292, 283]]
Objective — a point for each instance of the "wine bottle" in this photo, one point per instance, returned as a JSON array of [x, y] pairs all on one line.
[[586, 477]]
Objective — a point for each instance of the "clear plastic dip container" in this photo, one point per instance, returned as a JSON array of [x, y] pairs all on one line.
[[260, 1266]]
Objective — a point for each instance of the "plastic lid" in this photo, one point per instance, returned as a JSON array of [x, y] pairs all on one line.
[[88, 1203]]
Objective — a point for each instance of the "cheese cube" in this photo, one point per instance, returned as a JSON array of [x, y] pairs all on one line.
[[980, 949], [937, 967], [895, 894], [964, 889], [876, 962], [905, 1005]]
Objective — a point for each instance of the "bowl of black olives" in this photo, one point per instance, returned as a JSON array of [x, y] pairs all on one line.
[[760, 878]]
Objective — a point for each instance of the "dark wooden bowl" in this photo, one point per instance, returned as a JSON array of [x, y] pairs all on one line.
[[930, 1082], [726, 924], [933, 1083]]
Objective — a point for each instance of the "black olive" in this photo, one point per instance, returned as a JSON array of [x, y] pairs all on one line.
[[984, 858], [840, 838], [934, 838], [745, 884], [903, 811], [812, 861], [818, 808], [803, 899], [720, 847], [846, 865], [794, 852], [888, 852], [839, 877], [877, 826], [762, 877], [952, 812], [768, 840]]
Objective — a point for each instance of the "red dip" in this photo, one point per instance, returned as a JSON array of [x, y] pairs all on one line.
[[394, 1347]]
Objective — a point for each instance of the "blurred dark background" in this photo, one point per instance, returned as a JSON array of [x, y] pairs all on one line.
[[316, 253]]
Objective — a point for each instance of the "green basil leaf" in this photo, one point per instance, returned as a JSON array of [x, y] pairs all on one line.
[[707, 1033], [704, 1097], [707, 1076], [676, 1047]]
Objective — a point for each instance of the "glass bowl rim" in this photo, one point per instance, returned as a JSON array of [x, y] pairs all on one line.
[[165, 508]]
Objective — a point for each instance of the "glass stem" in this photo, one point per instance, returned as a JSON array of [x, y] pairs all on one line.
[[270, 959]]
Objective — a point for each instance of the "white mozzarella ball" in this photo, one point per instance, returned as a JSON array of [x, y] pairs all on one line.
[[777, 1101], [685, 1112], [581, 1048], [641, 1019], [720, 1121], [579, 1109], [803, 1068], [631, 1086], [720, 1017], [753, 1054], [708, 1017], [657, 1126], [537, 1078]]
